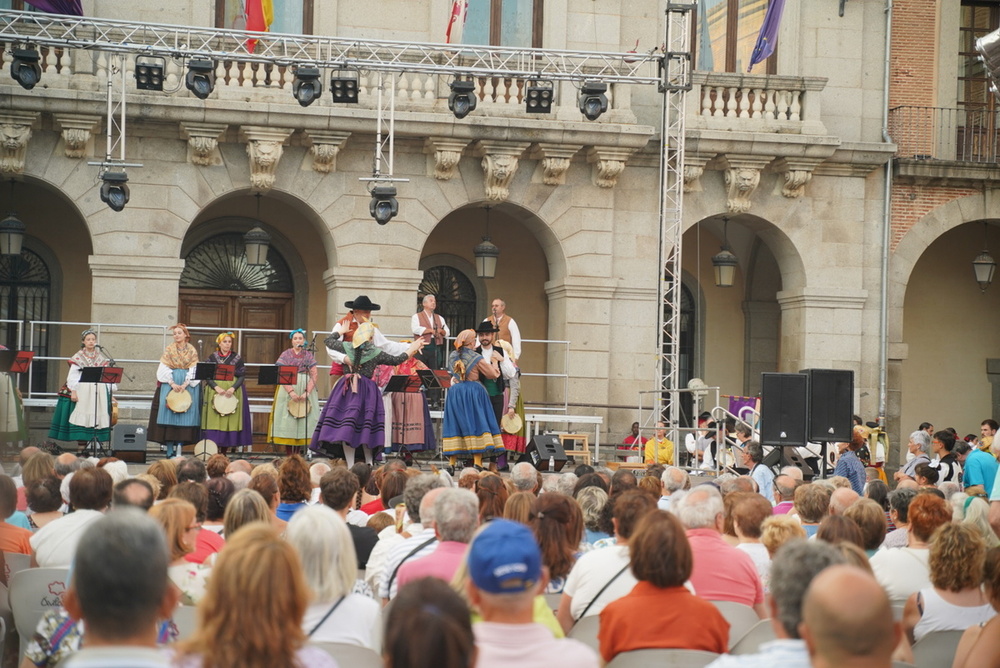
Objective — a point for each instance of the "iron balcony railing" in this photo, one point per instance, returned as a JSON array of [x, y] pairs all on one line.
[[940, 133]]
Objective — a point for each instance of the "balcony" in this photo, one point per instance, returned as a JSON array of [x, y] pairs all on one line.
[[945, 146]]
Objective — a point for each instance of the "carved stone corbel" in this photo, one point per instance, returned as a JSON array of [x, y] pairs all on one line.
[[694, 167], [555, 160], [203, 140], [500, 160], [608, 164], [325, 147], [264, 148], [797, 172], [742, 175], [77, 131], [447, 154], [15, 132]]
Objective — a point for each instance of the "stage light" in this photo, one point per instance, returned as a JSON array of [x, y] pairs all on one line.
[[593, 101], [149, 73], [114, 190], [538, 97], [307, 86], [200, 78], [344, 87], [463, 98], [384, 206], [25, 68]]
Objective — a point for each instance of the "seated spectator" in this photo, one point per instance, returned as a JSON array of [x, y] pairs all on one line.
[[429, 625], [266, 485], [847, 620], [492, 495], [178, 518], [601, 576], [812, 503], [842, 499], [634, 440], [661, 562], [905, 571], [523, 475], [778, 530], [975, 512], [119, 590], [13, 539], [38, 466], [394, 548], [878, 491], [316, 473], [920, 447], [926, 476], [870, 518], [456, 516], [294, 487], [749, 513], [590, 480], [165, 471], [955, 600], [240, 465], [242, 586], [784, 494], [206, 543], [239, 479], [392, 485], [899, 505], [217, 466], [154, 484], [518, 507], [339, 489], [44, 502], [191, 469], [720, 572], [54, 545], [336, 613], [592, 501], [558, 526], [245, 507], [983, 634], [837, 529], [673, 480], [220, 489], [133, 493], [505, 574]]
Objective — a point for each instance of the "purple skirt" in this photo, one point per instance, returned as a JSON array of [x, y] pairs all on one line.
[[354, 416], [233, 439]]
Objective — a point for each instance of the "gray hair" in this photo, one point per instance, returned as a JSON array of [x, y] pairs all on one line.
[[456, 514], [794, 566], [324, 544], [698, 508], [566, 483], [949, 488], [899, 500], [468, 471], [922, 439], [674, 479], [415, 490], [120, 573], [66, 463], [592, 501], [240, 479], [523, 475]]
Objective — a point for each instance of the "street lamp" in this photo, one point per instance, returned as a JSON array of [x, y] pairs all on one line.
[[486, 253], [724, 262]]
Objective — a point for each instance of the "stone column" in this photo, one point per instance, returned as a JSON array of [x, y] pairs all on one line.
[[395, 290], [821, 328]]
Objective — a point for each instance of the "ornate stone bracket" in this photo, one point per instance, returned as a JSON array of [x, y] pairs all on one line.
[[609, 163], [499, 166], [797, 173], [555, 160], [15, 132], [325, 147], [264, 148], [76, 132], [742, 175], [447, 153], [203, 140], [694, 167]]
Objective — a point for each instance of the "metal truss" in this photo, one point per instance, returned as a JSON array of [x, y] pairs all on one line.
[[172, 41]]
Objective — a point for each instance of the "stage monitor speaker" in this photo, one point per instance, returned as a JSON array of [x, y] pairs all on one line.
[[128, 442], [780, 457], [830, 405], [783, 408], [542, 448]]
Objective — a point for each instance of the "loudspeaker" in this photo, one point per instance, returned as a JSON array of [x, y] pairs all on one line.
[[830, 405], [783, 408], [780, 457], [128, 442], [543, 447]]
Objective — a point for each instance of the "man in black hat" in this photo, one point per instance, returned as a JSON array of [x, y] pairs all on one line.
[[360, 312], [508, 372]]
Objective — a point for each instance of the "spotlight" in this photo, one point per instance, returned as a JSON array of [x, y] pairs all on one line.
[[593, 101], [149, 73], [25, 68], [114, 190], [463, 98], [200, 78], [307, 86], [344, 87], [538, 97], [384, 206]]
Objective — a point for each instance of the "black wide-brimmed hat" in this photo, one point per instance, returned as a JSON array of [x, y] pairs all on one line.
[[487, 327], [362, 303]]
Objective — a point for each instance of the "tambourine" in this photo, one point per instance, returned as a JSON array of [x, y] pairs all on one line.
[[225, 405], [179, 402], [299, 409], [511, 424], [205, 448]]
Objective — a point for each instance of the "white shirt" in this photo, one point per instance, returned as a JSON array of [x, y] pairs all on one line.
[[378, 338], [591, 572], [515, 334], [387, 539], [165, 374], [356, 621], [902, 571], [400, 552], [418, 328], [55, 543]]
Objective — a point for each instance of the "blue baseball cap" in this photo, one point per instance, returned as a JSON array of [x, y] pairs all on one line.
[[505, 558]]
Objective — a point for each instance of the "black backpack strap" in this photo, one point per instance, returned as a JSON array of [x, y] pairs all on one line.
[[327, 615], [603, 589], [395, 571]]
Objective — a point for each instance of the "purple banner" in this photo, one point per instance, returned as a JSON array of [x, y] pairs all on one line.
[[70, 7], [767, 39]]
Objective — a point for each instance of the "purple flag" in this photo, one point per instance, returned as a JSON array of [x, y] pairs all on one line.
[[70, 7], [767, 39]]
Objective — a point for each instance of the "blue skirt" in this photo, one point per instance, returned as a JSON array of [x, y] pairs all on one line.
[[189, 418], [470, 426], [354, 415]]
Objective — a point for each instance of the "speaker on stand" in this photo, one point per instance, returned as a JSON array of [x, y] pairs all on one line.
[[543, 448]]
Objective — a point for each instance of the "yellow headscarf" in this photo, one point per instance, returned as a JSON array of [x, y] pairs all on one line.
[[218, 339], [364, 333]]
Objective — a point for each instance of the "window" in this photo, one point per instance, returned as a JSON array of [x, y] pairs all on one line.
[[515, 23], [456, 297], [725, 34], [220, 263], [16, 5], [25, 287], [977, 19], [290, 16]]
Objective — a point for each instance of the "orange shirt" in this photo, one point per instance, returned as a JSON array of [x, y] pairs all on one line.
[[649, 617], [14, 539]]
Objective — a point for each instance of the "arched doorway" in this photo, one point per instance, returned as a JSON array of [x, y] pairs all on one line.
[[25, 295]]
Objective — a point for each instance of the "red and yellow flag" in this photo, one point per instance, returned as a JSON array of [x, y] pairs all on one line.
[[260, 16]]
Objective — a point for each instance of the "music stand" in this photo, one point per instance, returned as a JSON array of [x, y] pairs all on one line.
[[279, 375], [99, 375], [15, 361], [206, 371]]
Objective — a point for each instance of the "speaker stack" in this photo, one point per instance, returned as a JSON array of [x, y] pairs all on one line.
[[541, 449]]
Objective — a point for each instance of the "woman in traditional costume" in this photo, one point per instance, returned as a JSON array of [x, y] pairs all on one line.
[[470, 426], [296, 407], [13, 428], [513, 425], [408, 412], [175, 417], [83, 410], [225, 418], [354, 415]]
